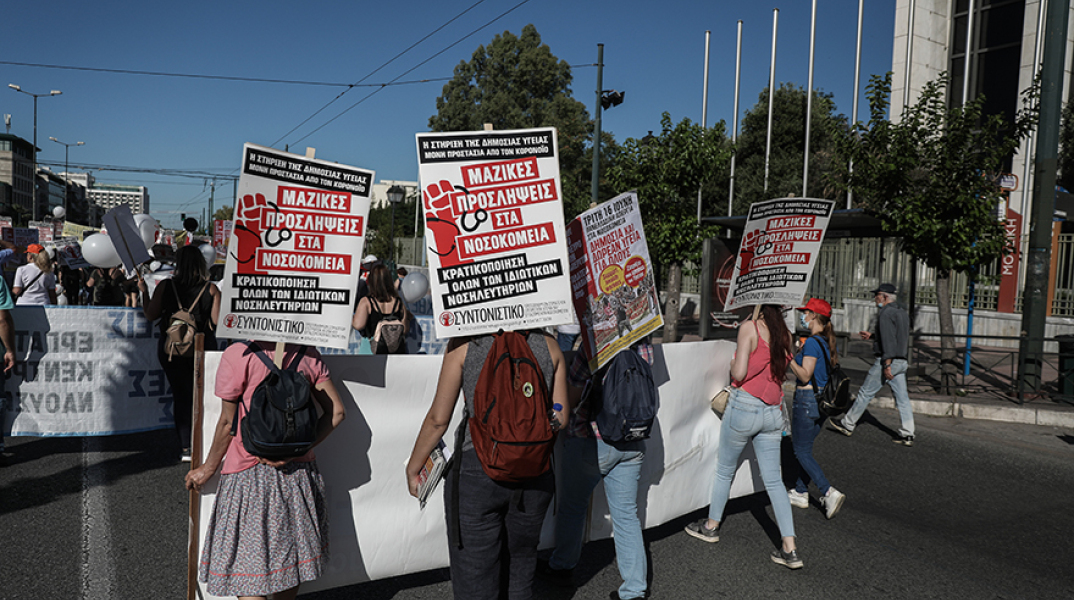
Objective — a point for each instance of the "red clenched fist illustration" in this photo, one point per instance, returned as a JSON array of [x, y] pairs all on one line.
[[752, 245], [441, 222], [248, 231]]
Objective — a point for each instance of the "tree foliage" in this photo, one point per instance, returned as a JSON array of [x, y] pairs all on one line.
[[1066, 148], [788, 147], [931, 177], [515, 82], [380, 231], [224, 213], [667, 171]]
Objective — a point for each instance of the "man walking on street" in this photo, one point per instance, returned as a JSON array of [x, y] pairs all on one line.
[[890, 343]]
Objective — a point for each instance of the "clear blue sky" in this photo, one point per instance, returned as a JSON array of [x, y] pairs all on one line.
[[654, 51]]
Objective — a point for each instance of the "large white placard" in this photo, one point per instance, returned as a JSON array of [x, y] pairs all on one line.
[[293, 259], [85, 371], [494, 220], [612, 280], [778, 251], [378, 529]]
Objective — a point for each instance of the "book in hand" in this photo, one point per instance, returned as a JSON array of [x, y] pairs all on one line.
[[432, 471]]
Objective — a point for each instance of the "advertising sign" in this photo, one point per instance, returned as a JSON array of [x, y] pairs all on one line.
[[778, 251], [1008, 273], [293, 259], [613, 286], [494, 220]]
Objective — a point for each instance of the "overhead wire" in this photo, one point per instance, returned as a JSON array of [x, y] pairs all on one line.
[[371, 94]]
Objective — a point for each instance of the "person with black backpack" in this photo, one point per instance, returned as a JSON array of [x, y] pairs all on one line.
[[500, 482], [382, 316], [593, 455], [269, 527], [188, 294], [812, 365]]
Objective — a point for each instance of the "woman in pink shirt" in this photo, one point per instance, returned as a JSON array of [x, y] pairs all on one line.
[[754, 413], [269, 528]]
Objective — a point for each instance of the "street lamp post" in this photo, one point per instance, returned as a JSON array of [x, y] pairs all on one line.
[[395, 196], [33, 171], [66, 168]]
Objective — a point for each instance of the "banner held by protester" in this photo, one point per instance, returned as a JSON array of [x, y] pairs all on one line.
[[494, 220], [613, 286], [292, 266], [778, 251]]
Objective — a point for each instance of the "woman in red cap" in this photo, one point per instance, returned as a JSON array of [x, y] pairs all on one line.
[[34, 283], [810, 367]]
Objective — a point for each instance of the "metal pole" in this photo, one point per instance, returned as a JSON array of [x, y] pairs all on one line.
[[967, 61], [391, 250], [857, 91], [809, 100], [1038, 258], [734, 120], [415, 245], [596, 126], [771, 95], [909, 55], [33, 171], [66, 175], [704, 112]]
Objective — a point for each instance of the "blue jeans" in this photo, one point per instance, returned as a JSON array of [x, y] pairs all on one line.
[[806, 424], [873, 382], [566, 341], [585, 462], [747, 418]]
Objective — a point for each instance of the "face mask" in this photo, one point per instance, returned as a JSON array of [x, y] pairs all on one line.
[[802, 322], [880, 305]]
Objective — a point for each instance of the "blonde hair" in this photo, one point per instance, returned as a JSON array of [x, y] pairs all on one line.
[[43, 262]]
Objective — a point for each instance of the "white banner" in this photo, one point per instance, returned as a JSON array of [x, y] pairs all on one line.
[[612, 279], [292, 265], [778, 251], [85, 371], [494, 221], [378, 529]]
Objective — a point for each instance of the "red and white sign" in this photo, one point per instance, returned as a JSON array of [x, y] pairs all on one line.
[[1008, 265], [778, 251], [494, 224], [290, 273], [613, 286], [221, 236]]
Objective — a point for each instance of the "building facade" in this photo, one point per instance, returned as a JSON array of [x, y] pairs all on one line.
[[379, 197], [16, 178], [108, 196], [1003, 55]]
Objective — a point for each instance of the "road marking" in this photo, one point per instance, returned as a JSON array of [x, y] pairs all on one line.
[[98, 569]]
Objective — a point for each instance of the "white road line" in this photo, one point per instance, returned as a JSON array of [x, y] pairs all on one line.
[[98, 568]]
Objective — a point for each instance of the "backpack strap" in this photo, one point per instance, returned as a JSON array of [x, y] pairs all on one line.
[[824, 350]]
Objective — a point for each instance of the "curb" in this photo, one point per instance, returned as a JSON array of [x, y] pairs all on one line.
[[1009, 414]]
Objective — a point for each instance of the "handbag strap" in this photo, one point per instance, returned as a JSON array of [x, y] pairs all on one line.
[[29, 285]]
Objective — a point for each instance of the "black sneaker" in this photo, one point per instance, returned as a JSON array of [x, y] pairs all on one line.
[[904, 440], [787, 559], [701, 532], [560, 577]]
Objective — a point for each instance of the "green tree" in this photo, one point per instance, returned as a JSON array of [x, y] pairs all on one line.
[[667, 171], [224, 213], [1066, 148], [788, 148], [379, 233], [517, 83], [930, 178]]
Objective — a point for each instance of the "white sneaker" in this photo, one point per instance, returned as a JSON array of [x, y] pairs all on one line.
[[832, 502], [798, 499]]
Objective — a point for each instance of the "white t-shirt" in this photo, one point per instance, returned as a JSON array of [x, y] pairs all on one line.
[[37, 293]]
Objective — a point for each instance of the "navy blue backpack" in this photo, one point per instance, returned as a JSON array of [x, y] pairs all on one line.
[[628, 399]]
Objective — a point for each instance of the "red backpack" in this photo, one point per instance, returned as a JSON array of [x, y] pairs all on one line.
[[510, 427]]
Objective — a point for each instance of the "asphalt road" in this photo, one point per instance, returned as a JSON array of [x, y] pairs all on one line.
[[975, 510]]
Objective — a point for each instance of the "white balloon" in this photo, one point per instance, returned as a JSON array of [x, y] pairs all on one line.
[[99, 251], [147, 229], [209, 253], [414, 286], [59, 212]]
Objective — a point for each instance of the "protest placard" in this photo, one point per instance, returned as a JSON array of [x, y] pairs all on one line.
[[613, 286], [221, 236], [494, 220], [123, 232], [69, 252], [292, 264], [778, 251]]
